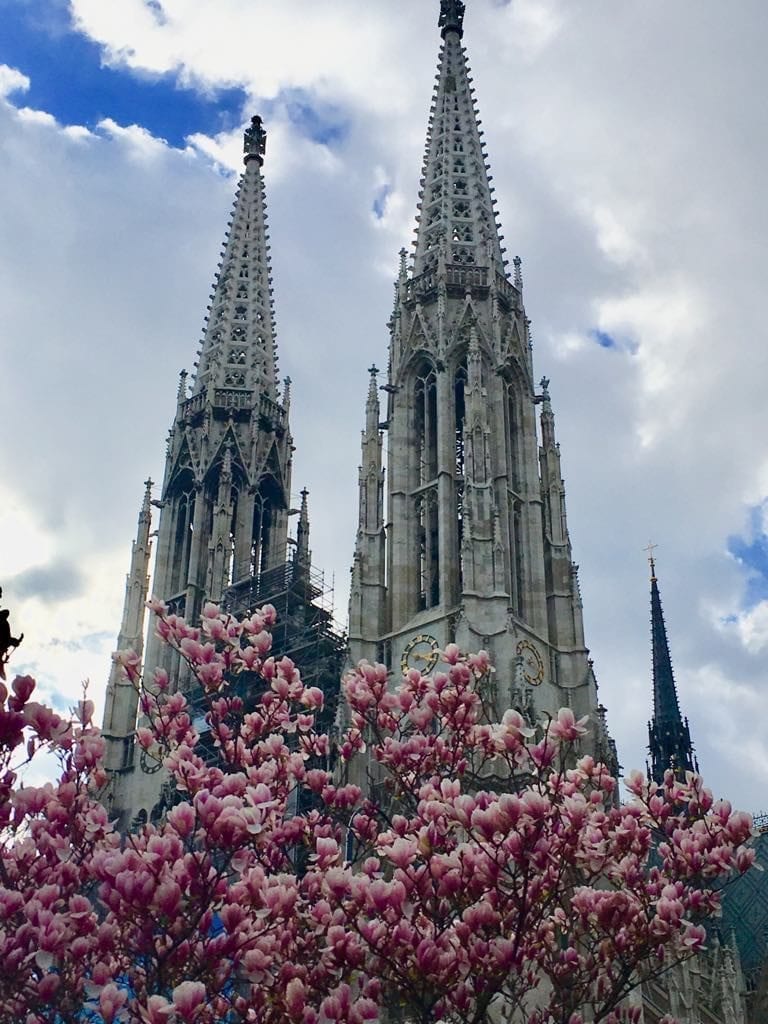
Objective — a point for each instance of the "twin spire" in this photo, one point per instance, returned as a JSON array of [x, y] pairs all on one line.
[[456, 222], [238, 351]]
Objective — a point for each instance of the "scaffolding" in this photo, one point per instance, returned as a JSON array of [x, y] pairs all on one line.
[[305, 631]]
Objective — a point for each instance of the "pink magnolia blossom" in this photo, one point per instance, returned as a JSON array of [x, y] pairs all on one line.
[[442, 894]]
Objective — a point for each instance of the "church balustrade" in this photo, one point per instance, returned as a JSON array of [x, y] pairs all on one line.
[[507, 291], [466, 276], [232, 398], [271, 412], [456, 277], [193, 405]]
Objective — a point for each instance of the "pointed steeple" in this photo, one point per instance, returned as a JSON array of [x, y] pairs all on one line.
[[238, 347], [224, 505], [564, 607], [456, 222], [227, 478], [121, 703], [668, 733], [460, 549], [368, 585], [303, 554]]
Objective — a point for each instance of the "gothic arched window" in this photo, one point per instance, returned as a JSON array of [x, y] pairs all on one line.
[[429, 548], [182, 533], [512, 416], [266, 502], [425, 413], [459, 418], [514, 445], [424, 484]]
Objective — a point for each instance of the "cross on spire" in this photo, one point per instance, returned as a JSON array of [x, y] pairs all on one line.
[[651, 560], [451, 17]]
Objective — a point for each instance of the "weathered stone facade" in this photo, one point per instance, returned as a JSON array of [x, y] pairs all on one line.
[[468, 539], [224, 503]]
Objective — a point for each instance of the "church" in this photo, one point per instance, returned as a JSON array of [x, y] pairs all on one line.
[[462, 530], [464, 538]]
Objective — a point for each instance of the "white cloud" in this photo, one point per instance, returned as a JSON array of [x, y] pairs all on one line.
[[534, 24], [12, 80], [140, 142], [629, 177], [752, 628]]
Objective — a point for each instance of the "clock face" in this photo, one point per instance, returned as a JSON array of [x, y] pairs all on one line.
[[421, 652], [149, 765], [533, 666]]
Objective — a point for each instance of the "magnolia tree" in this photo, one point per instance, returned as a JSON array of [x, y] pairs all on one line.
[[488, 872]]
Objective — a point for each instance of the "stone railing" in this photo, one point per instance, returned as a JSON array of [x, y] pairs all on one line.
[[193, 405], [232, 398], [236, 399]]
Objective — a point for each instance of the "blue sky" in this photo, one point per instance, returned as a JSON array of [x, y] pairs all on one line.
[[751, 550], [70, 80]]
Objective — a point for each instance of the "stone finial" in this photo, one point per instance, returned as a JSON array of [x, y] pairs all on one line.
[[182, 392], [451, 17], [146, 504], [544, 385], [303, 555], [403, 264], [518, 265], [255, 141]]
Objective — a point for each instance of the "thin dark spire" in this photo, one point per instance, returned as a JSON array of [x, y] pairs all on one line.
[[669, 738]]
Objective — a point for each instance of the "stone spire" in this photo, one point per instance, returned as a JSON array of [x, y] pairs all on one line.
[[121, 703], [227, 478], [224, 503], [564, 608], [456, 217], [303, 554], [238, 347], [470, 544], [367, 590], [669, 738]]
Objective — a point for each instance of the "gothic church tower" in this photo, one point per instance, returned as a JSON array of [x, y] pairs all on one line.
[[468, 541], [224, 503]]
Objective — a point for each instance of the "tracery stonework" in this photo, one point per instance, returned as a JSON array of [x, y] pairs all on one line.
[[224, 503], [469, 539]]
